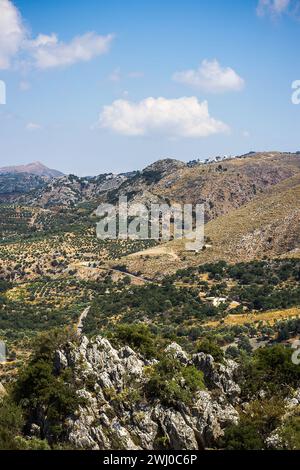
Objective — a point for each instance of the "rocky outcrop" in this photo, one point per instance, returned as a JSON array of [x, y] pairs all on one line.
[[117, 416], [219, 376], [278, 439], [2, 391]]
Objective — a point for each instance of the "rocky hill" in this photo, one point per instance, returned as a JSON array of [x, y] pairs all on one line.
[[90, 395], [220, 185], [15, 185], [268, 226], [69, 191], [35, 168]]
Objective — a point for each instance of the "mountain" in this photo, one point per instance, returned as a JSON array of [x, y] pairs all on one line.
[[69, 191], [220, 185], [17, 181], [15, 185], [268, 226], [35, 168]]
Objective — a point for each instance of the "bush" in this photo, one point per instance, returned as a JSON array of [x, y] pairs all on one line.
[[290, 434], [45, 397], [11, 423], [208, 346], [232, 352], [272, 370], [138, 337], [242, 437], [262, 417], [172, 383]]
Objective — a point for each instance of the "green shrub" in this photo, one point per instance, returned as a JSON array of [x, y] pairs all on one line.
[[262, 417], [11, 423], [43, 394], [209, 346], [290, 433], [272, 370], [171, 382], [139, 337]]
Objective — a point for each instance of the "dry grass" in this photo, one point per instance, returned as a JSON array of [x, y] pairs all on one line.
[[266, 317]]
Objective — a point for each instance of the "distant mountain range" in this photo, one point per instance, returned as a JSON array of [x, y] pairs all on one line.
[[35, 168], [222, 185]]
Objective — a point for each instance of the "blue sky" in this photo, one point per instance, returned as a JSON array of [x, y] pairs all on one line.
[[223, 71]]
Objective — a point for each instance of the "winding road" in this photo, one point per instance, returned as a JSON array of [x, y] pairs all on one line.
[[81, 319]]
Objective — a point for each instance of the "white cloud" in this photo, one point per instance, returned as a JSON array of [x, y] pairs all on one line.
[[272, 7], [49, 52], [33, 126], [12, 33], [46, 51], [181, 117], [42, 40], [211, 77]]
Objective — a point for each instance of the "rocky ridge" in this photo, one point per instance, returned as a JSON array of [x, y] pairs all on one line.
[[111, 418]]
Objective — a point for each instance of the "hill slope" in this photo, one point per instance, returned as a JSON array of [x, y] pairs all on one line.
[[221, 186], [267, 226]]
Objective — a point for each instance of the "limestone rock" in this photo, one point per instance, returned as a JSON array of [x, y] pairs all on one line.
[[219, 376], [177, 352], [114, 418]]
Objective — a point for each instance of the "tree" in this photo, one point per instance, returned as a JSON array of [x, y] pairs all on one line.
[[11, 423], [172, 383], [208, 346], [46, 397]]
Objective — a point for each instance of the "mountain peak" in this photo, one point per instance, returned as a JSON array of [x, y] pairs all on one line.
[[34, 168], [165, 165]]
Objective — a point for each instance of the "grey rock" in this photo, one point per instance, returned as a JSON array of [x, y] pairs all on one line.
[[180, 435], [177, 352], [219, 376], [112, 418]]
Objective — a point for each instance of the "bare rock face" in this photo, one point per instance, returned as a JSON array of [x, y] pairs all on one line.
[[219, 376], [178, 353], [211, 416], [114, 418], [178, 427]]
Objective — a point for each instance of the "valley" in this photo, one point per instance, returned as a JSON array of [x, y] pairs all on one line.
[[65, 293]]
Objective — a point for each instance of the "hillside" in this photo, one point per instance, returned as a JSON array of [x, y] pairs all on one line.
[[69, 191], [268, 226], [221, 186], [15, 185]]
